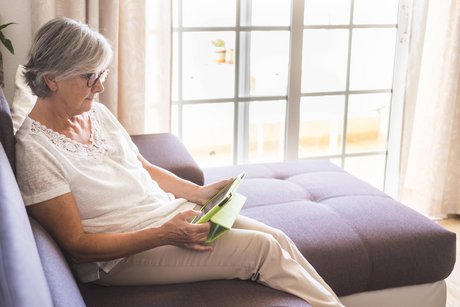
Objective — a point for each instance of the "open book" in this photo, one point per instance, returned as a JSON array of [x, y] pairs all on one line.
[[222, 209]]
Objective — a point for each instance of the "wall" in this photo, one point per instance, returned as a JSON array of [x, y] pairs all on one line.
[[20, 34]]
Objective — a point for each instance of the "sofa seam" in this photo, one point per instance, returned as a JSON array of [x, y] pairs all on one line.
[[363, 242], [354, 195]]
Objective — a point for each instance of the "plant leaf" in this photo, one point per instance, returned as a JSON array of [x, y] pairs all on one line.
[[6, 25], [7, 43]]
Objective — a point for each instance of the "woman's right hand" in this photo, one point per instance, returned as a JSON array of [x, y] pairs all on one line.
[[180, 232]]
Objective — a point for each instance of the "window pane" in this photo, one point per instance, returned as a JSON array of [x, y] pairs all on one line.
[[327, 12], [269, 59], [270, 12], [372, 59], [321, 125], [209, 13], [375, 12], [266, 130], [175, 13], [368, 119], [208, 132], [324, 66], [205, 74], [175, 67], [368, 168], [175, 119]]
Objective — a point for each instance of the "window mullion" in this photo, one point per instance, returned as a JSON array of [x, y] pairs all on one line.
[[347, 86], [294, 82], [243, 86], [180, 105]]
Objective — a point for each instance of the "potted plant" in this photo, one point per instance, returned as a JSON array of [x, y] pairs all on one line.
[[220, 50], [8, 45]]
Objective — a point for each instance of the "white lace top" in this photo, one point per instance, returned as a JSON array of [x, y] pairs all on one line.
[[97, 149], [113, 192]]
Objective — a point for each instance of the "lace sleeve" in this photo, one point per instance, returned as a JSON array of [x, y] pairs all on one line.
[[40, 175]]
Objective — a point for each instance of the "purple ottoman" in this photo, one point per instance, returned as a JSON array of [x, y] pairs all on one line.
[[357, 237]]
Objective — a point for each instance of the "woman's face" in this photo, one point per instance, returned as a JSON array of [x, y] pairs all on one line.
[[75, 96]]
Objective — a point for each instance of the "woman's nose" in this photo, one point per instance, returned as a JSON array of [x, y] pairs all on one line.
[[98, 87]]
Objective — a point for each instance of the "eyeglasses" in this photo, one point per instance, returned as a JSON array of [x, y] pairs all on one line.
[[92, 78]]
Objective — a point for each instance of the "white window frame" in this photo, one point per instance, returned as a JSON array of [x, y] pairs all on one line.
[[294, 94]]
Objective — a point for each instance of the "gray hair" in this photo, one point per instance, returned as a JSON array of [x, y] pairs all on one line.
[[64, 48]]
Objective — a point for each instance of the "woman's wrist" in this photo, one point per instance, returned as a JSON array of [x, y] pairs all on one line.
[[155, 237], [192, 193]]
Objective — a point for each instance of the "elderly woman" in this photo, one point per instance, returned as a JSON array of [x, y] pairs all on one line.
[[120, 219]]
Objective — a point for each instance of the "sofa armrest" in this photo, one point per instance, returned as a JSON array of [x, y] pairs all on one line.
[[167, 151]]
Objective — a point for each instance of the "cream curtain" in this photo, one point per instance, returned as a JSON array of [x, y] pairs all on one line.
[[430, 162], [138, 88]]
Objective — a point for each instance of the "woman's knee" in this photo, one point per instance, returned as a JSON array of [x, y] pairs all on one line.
[[281, 237], [244, 222], [253, 241], [266, 242]]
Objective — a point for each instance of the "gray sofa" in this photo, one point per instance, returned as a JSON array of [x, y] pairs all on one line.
[[358, 238]]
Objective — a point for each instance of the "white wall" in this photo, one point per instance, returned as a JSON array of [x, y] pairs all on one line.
[[20, 34]]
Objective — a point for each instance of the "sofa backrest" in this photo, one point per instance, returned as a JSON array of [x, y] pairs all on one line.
[[63, 288], [33, 270], [22, 279], [167, 151]]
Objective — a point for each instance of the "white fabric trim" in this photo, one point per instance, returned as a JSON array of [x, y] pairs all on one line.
[[424, 295]]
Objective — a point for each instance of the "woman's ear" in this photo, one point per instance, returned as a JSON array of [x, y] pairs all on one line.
[[51, 82]]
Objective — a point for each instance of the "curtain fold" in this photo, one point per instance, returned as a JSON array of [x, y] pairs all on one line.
[[138, 90], [430, 158]]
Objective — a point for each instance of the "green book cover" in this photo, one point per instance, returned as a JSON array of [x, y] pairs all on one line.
[[223, 220], [222, 209]]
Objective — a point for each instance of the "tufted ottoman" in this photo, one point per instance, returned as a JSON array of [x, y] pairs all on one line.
[[357, 237]]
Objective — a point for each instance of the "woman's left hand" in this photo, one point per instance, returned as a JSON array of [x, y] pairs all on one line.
[[204, 193]]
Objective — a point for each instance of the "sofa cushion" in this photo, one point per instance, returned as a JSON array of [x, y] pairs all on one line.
[[403, 246], [22, 281], [222, 293], [357, 237], [63, 288], [328, 242]]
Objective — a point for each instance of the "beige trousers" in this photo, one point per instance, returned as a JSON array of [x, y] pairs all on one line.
[[251, 250]]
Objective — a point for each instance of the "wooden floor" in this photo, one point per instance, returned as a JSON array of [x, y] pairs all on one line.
[[453, 281]]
